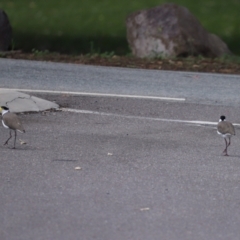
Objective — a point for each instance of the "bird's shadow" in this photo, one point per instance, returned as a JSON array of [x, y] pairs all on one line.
[[229, 156], [19, 148], [234, 156], [64, 160]]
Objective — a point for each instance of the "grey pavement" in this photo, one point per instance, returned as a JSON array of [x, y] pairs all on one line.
[[139, 178], [118, 167], [207, 88]]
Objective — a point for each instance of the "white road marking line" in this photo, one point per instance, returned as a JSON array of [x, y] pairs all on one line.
[[143, 118], [96, 94]]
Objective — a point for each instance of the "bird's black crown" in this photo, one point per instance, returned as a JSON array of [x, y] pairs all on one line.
[[222, 117], [5, 108]]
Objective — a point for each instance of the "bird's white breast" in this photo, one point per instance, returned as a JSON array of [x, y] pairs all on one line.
[[4, 124], [224, 135]]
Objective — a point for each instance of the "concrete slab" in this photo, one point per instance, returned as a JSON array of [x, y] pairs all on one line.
[[21, 102]]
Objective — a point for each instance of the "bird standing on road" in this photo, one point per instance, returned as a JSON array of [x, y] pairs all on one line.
[[226, 130], [12, 122]]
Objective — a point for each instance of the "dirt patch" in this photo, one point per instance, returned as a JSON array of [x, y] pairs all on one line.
[[229, 66]]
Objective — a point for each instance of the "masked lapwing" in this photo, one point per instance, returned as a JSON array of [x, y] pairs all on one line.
[[226, 130], [12, 122]]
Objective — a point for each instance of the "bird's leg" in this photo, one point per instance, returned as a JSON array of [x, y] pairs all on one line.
[[15, 139], [226, 146], [229, 142], [8, 138], [225, 150]]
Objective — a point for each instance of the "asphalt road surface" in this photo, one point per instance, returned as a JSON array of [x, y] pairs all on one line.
[[220, 89], [121, 167], [143, 176]]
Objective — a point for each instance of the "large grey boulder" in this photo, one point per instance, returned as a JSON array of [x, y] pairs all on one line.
[[5, 31], [170, 30]]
